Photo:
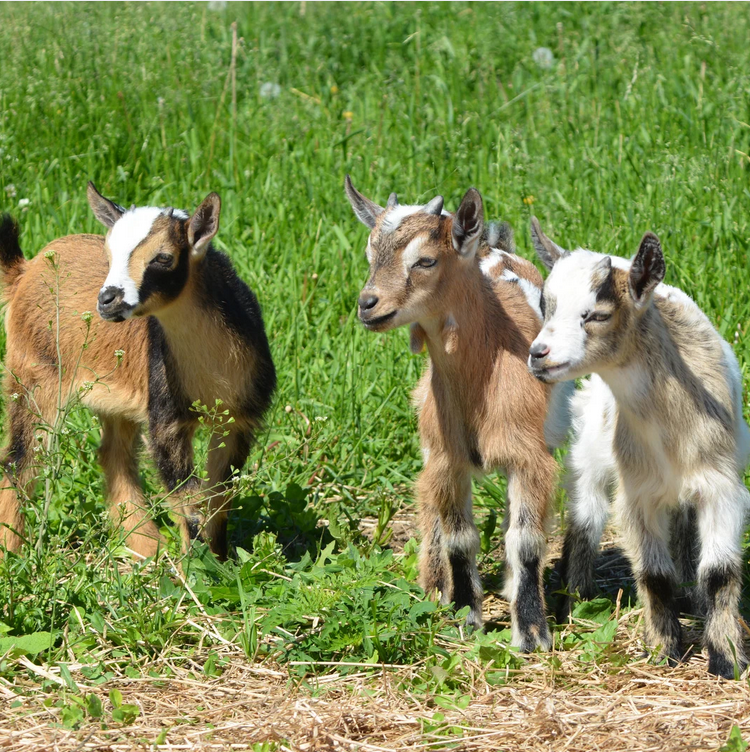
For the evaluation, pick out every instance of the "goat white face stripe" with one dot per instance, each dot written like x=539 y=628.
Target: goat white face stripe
x=412 y=253
x=126 y=234
x=396 y=215
x=569 y=285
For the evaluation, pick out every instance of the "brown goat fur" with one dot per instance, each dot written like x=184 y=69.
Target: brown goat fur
x=479 y=408
x=196 y=333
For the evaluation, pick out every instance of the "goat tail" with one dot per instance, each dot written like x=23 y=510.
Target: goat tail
x=12 y=260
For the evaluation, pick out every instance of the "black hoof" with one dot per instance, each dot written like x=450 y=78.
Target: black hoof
x=720 y=665
x=194 y=526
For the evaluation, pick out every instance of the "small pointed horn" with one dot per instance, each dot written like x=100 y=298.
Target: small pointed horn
x=170 y=212
x=132 y=207
x=392 y=201
x=434 y=207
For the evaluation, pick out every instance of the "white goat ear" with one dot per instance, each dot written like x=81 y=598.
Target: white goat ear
x=549 y=253
x=647 y=270
x=203 y=225
x=367 y=211
x=106 y=211
x=468 y=224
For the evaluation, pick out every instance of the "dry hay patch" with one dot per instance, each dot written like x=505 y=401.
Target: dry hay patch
x=556 y=707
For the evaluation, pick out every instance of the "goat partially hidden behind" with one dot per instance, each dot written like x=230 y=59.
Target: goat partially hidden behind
x=661 y=421
x=479 y=408
x=191 y=331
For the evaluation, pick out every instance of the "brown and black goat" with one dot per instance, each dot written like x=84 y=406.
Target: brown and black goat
x=191 y=331
x=477 y=310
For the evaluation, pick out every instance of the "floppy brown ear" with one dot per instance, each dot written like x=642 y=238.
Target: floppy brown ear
x=203 y=225
x=549 y=253
x=647 y=270
x=106 y=211
x=468 y=223
x=367 y=211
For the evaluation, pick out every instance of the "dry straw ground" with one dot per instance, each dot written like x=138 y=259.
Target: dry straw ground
x=554 y=702
x=640 y=707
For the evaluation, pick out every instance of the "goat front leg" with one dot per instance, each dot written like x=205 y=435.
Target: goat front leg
x=450 y=540
x=127 y=505
x=529 y=494
x=172 y=448
x=226 y=455
x=645 y=528
x=721 y=519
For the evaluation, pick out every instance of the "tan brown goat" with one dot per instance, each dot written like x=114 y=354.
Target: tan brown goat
x=479 y=408
x=191 y=331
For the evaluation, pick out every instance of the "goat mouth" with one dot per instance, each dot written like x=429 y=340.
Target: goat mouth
x=377 y=322
x=550 y=373
x=117 y=315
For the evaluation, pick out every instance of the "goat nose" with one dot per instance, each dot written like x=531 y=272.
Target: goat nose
x=539 y=350
x=366 y=302
x=108 y=295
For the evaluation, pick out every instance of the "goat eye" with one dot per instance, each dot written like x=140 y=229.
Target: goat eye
x=163 y=259
x=425 y=263
x=599 y=317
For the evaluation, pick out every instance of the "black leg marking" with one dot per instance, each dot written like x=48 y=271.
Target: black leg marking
x=720 y=589
x=532 y=622
x=684 y=548
x=663 y=626
x=465 y=590
x=576 y=569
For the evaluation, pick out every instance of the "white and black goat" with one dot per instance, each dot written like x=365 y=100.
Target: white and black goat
x=661 y=421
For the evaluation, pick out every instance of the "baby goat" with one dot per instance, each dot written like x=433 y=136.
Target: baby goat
x=662 y=418
x=192 y=331
x=479 y=408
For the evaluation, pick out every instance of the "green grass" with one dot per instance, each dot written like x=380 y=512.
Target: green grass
x=643 y=122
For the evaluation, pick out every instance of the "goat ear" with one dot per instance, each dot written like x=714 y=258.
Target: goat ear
x=106 y=211
x=468 y=224
x=203 y=225
x=647 y=270
x=549 y=253
x=367 y=211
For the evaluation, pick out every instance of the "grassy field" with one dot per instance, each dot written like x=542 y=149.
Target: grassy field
x=314 y=636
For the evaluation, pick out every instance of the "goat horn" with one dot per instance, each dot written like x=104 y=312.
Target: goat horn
x=392 y=201
x=434 y=207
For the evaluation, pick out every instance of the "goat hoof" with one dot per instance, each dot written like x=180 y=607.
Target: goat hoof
x=721 y=665
x=535 y=637
x=194 y=526
x=474 y=620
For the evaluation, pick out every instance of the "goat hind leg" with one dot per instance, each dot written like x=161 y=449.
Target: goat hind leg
x=18 y=474
x=591 y=472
